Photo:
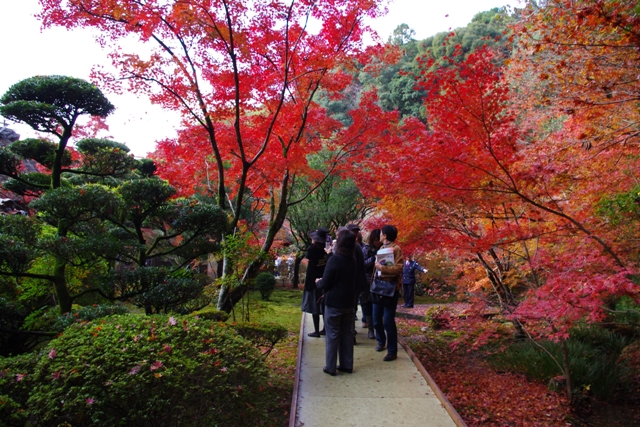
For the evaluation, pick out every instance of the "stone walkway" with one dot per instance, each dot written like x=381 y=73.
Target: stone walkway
x=376 y=394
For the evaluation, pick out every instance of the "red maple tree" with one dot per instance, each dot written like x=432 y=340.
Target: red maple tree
x=245 y=76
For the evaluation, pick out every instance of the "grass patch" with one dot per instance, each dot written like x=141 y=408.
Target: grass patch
x=283 y=308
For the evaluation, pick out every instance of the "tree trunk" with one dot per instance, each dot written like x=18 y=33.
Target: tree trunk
x=227 y=299
x=567 y=373
x=60 y=284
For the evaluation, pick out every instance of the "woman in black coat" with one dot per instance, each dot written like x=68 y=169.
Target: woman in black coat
x=312 y=296
x=340 y=292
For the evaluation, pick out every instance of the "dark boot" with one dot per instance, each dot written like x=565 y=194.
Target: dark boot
x=370 y=334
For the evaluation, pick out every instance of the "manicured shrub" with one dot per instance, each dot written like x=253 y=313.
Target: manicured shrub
x=265 y=283
x=214 y=315
x=88 y=313
x=148 y=371
x=264 y=336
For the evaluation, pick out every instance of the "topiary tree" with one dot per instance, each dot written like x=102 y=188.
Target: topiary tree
x=145 y=371
x=50 y=104
x=265 y=283
x=53 y=104
x=97 y=208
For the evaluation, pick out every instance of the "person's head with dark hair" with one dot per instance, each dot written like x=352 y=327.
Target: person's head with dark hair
x=374 y=238
x=389 y=232
x=355 y=229
x=319 y=236
x=346 y=242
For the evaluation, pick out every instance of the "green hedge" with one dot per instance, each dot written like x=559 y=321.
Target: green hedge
x=142 y=371
x=264 y=336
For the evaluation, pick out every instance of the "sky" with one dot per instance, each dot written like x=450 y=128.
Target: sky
x=27 y=51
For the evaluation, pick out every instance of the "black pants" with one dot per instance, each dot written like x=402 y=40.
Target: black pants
x=408 y=290
x=338 y=325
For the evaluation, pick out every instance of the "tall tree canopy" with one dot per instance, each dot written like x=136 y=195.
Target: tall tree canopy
x=244 y=76
x=503 y=179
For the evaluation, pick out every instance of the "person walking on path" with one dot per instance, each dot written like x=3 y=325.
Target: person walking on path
x=369 y=252
x=340 y=291
x=409 y=280
x=384 y=308
x=312 y=296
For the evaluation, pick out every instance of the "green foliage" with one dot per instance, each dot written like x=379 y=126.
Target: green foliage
x=12 y=313
x=621 y=207
x=9 y=162
x=28 y=184
x=213 y=315
x=264 y=336
x=40 y=150
x=96 y=145
x=16 y=384
x=149 y=371
x=337 y=202
x=265 y=283
x=144 y=197
x=104 y=158
x=627 y=314
x=171 y=295
x=282 y=308
x=396 y=84
x=42 y=319
x=146 y=167
x=18 y=236
x=487 y=28
x=593 y=355
x=88 y=313
x=45 y=102
x=76 y=204
x=157 y=290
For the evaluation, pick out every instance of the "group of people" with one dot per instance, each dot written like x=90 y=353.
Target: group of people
x=339 y=275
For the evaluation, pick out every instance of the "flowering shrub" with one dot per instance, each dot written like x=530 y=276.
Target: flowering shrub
x=15 y=385
x=148 y=371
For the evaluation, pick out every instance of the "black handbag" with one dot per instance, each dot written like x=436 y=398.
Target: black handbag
x=382 y=287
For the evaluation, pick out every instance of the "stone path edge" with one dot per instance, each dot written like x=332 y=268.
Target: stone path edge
x=457 y=419
x=293 y=413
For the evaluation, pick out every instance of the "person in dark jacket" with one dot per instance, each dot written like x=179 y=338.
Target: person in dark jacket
x=361 y=278
x=340 y=292
x=312 y=296
x=409 y=280
x=369 y=254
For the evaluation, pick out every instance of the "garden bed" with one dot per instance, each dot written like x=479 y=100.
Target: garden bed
x=485 y=397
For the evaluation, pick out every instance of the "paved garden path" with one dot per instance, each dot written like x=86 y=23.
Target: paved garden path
x=376 y=394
